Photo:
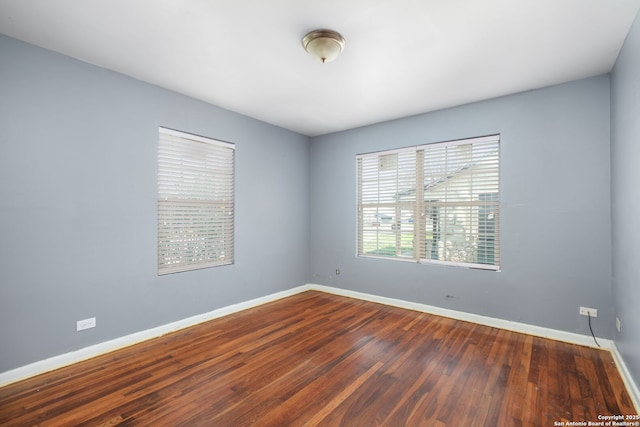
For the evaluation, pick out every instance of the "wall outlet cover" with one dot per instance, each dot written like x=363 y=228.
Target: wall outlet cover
x=587 y=311
x=81 y=325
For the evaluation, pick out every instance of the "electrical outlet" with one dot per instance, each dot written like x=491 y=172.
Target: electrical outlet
x=618 y=325
x=81 y=325
x=586 y=311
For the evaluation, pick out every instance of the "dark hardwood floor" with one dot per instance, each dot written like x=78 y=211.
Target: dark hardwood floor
x=320 y=359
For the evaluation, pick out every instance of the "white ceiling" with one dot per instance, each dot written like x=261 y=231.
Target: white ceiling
x=402 y=57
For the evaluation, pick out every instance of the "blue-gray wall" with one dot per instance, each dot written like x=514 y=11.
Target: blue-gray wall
x=625 y=195
x=78 y=206
x=555 y=201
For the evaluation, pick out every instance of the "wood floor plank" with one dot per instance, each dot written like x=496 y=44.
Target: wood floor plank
x=316 y=359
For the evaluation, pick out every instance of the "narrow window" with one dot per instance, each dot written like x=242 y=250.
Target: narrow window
x=435 y=203
x=195 y=202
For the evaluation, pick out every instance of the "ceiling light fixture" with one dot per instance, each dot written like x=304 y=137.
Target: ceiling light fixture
x=325 y=45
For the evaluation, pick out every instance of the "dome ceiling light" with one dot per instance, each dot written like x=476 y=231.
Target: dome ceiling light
x=325 y=45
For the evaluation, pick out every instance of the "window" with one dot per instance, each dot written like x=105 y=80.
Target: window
x=436 y=203
x=195 y=202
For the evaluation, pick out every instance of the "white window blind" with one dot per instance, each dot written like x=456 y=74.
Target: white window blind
x=195 y=202
x=436 y=203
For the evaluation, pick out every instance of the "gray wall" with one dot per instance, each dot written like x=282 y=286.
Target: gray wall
x=78 y=206
x=556 y=224
x=78 y=220
x=625 y=195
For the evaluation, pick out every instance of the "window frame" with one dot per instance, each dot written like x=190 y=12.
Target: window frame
x=486 y=246
x=195 y=202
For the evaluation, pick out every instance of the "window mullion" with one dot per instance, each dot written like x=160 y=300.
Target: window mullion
x=419 y=211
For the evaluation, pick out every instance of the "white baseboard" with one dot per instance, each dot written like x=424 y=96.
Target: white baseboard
x=632 y=387
x=70 y=358
x=524 y=328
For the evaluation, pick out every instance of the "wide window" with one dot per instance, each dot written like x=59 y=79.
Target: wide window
x=435 y=203
x=195 y=202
